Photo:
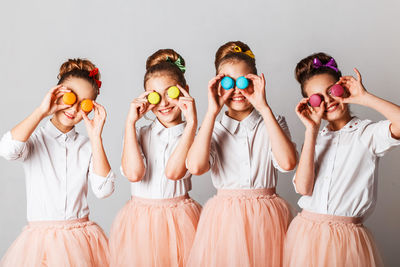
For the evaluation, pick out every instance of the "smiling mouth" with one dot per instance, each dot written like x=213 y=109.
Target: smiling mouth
x=165 y=110
x=238 y=98
x=332 y=108
x=69 y=116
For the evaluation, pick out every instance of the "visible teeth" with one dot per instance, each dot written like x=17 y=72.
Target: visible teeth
x=165 y=110
x=237 y=98
x=332 y=107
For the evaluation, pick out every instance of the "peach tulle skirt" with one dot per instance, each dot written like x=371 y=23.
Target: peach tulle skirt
x=241 y=228
x=157 y=232
x=72 y=243
x=331 y=241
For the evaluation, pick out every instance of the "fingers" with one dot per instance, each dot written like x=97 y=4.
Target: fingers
x=99 y=109
x=358 y=75
x=183 y=90
x=84 y=116
x=55 y=88
x=215 y=80
x=144 y=95
x=227 y=95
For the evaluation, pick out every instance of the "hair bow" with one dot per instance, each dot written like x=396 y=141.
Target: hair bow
x=331 y=64
x=93 y=74
x=178 y=63
x=237 y=49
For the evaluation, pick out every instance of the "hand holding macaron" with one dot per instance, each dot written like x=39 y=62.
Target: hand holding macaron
x=217 y=98
x=51 y=102
x=95 y=125
x=354 y=87
x=310 y=117
x=185 y=102
x=256 y=94
x=140 y=106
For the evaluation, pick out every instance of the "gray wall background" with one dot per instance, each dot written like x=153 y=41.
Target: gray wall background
x=37 y=36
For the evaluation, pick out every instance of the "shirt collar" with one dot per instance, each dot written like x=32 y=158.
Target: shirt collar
x=52 y=130
x=249 y=122
x=161 y=130
x=352 y=125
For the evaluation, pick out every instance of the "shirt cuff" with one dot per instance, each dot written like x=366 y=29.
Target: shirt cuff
x=12 y=149
x=102 y=186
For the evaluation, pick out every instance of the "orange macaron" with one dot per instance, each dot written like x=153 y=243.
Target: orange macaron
x=87 y=105
x=69 y=98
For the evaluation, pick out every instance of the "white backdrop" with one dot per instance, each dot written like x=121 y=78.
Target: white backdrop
x=118 y=36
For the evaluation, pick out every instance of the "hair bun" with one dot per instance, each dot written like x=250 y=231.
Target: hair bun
x=162 y=56
x=77 y=64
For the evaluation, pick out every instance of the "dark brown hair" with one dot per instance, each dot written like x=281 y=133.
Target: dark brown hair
x=162 y=62
x=79 y=68
x=305 y=69
x=228 y=53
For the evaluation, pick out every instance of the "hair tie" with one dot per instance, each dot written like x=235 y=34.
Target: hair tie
x=331 y=64
x=237 y=49
x=177 y=63
x=93 y=74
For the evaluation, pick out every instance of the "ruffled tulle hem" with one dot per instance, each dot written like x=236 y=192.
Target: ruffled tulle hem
x=241 y=228
x=330 y=241
x=59 y=243
x=148 y=232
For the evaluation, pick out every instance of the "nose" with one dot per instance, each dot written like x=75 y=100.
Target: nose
x=164 y=101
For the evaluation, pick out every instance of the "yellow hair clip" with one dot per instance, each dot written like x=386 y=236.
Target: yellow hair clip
x=237 y=49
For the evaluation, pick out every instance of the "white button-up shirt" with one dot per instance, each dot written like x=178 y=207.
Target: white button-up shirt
x=157 y=144
x=346 y=166
x=241 y=155
x=57 y=169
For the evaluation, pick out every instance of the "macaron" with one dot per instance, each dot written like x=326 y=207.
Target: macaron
x=242 y=82
x=315 y=100
x=337 y=90
x=154 y=98
x=87 y=105
x=69 y=98
x=173 y=92
x=227 y=83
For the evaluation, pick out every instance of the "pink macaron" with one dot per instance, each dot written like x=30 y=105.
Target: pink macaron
x=337 y=90
x=315 y=100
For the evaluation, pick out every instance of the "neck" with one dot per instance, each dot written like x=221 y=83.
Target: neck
x=61 y=127
x=172 y=123
x=339 y=123
x=239 y=115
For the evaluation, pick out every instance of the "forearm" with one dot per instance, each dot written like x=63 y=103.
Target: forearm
x=132 y=161
x=101 y=166
x=176 y=166
x=282 y=147
x=304 y=180
x=24 y=129
x=199 y=153
x=389 y=110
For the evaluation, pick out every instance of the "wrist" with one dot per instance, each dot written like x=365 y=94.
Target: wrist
x=312 y=132
x=39 y=113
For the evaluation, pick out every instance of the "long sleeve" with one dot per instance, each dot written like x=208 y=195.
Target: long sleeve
x=12 y=149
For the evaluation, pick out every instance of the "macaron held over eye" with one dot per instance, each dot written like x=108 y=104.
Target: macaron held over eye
x=69 y=98
x=336 y=90
x=155 y=98
x=228 y=83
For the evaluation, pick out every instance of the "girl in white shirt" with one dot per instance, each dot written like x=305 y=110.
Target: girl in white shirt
x=246 y=222
x=157 y=226
x=58 y=164
x=337 y=172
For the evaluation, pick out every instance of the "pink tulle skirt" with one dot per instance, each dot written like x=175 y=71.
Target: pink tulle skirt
x=241 y=228
x=59 y=243
x=157 y=232
x=331 y=241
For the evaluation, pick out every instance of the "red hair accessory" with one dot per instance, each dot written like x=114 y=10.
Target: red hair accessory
x=93 y=74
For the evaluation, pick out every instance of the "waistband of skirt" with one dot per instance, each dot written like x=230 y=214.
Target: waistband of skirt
x=81 y=222
x=330 y=218
x=160 y=201
x=247 y=192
